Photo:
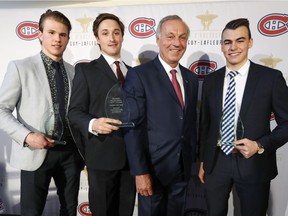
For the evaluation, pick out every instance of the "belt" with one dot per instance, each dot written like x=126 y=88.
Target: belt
x=234 y=151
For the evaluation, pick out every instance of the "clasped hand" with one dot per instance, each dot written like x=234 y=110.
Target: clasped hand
x=246 y=147
x=104 y=125
x=39 y=141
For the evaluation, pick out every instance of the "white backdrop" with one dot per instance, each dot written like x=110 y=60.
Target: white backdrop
x=269 y=26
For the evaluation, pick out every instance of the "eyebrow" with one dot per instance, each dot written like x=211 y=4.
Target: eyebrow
x=106 y=29
x=237 y=39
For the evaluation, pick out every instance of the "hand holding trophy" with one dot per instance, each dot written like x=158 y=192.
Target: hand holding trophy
x=239 y=134
x=114 y=106
x=54 y=129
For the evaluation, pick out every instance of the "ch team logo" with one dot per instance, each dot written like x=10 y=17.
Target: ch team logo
x=84 y=209
x=142 y=27
x=203 y=67
x=273 y=25
x=27 y=30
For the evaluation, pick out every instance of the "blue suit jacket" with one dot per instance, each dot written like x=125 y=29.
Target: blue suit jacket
x=265 y=92
x=163 y=130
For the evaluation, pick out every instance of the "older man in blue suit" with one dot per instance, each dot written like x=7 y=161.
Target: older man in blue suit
x=161 y=146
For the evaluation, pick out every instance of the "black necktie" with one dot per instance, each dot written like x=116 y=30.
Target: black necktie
x=119 y=72
x=60 y=96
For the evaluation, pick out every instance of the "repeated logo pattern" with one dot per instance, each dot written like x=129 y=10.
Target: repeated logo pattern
x=273 y=25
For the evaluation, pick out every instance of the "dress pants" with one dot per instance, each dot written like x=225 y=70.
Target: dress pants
x=218 y=185
x=62 y=164
x=111 y=193
x=167 y=200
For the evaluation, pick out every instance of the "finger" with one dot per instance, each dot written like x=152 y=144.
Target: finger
x=150 y=192
x=144 y=193
x=201 y=179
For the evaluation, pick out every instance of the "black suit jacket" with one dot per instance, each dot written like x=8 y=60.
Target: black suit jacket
x=90 y=86
x=163 y=130
x=265 y=92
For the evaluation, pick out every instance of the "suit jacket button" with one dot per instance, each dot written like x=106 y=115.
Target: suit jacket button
x=181 y=117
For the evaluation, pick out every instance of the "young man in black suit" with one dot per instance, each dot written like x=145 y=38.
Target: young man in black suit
x=250 y=164
x=111 y=187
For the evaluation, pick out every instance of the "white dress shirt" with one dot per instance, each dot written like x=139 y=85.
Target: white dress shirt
x=240 y=82
x=124 y=70
x=178 y=75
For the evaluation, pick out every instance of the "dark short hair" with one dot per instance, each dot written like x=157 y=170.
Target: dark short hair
x=56 y=15
x=104 y=16
x=236 y=23
x=168 y=18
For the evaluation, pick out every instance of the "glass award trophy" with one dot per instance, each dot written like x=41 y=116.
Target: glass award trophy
x=239 y=133
x=54 y=129
x=114 y=106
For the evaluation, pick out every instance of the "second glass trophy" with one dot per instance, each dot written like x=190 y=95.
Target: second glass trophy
x=114 y=106
x=54 y=129
x=239 y=133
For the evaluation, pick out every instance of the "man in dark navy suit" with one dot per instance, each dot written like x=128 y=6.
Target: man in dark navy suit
x=161 y=146
x=251 y=165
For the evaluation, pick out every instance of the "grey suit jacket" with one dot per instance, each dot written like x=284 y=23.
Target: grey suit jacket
x=25 y=88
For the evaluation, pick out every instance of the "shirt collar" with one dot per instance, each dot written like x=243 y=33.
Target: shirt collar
x=168 y=67
x=47 y=60
x=109 y=59
x=242 y=71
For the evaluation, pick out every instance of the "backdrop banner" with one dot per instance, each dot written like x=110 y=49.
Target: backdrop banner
x=269 y=27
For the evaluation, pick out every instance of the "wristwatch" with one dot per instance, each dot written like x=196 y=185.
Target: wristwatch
x=260 y=148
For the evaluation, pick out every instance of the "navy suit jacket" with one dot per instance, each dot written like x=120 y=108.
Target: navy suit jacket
x=164 y=132
x=265 y=92
x=90 y=86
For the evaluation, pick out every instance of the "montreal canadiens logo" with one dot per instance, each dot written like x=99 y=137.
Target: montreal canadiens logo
x=27 y=30
x=84 y=209
x=273 y=25
x=203 y=67
x=142 y=27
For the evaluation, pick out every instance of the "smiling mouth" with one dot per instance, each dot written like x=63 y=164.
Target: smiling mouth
x=234 y=54
x=175 y=50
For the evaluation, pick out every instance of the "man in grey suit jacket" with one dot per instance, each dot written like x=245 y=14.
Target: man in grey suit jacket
x=30 y=86
x=251 y=165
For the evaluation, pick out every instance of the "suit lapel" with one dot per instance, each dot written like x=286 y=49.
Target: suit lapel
x=40 y=72
x=105 y=68
x=251 y=85
x=164 y=79
x=186 y=86
x=218 y=99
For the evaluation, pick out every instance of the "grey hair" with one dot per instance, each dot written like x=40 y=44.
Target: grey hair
x=167 y=18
